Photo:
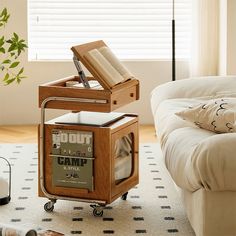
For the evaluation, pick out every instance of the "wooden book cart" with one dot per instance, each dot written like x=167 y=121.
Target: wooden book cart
x=56 y=95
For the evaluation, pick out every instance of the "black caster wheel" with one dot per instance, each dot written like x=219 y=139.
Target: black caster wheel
x=124 y=196
x=97 y=210
x=97 y=213
x=49 y=207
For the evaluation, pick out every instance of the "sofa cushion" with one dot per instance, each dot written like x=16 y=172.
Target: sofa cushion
x=165 y=119
x=217 y=115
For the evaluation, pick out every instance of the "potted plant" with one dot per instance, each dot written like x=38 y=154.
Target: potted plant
x=10 y=50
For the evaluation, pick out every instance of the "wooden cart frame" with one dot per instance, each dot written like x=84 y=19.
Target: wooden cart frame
x=97 y=204
x=57 y=96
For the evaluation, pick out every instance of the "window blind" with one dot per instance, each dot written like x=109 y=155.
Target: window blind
x=133 y=29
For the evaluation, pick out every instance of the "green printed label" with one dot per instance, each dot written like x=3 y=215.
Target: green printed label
x=72 y=172
x=71 y=150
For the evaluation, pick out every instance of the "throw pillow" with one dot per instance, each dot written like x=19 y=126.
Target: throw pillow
x=217 y=115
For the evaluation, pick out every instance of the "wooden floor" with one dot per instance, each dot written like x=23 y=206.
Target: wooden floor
x=28 y=134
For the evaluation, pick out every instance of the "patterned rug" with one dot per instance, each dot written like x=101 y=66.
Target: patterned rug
x=153 y=208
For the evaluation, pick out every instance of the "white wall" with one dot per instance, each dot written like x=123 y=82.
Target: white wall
x=223 y=38
x=19 y=103
x=227 y=57
x=231 y=37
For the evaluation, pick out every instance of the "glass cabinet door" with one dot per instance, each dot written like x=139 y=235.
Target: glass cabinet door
x=123 y=150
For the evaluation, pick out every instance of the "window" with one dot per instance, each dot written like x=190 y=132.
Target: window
x=133 y=29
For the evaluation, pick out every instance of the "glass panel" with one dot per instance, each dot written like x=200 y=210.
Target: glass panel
x=4 y=179
x=123 y=157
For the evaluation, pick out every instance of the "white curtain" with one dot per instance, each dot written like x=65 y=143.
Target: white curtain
x=205 y=38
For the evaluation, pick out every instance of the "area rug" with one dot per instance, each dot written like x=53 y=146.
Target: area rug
x=152 y=208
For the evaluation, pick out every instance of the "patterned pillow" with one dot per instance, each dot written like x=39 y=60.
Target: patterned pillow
x=217 y=115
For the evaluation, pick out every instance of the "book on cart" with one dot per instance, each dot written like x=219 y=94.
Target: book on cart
x=99 y=59
x=108 y=65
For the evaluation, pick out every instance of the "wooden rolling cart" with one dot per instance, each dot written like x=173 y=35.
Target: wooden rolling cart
x=105 y=188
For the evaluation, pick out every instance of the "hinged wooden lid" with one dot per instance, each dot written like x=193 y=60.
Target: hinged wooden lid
x=81 y=50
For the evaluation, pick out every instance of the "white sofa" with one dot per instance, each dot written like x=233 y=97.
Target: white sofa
x=201 y=163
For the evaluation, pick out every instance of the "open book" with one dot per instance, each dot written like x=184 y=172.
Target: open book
x=108 y=66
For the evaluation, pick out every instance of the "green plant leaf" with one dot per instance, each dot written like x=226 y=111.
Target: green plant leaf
x=2 y=50
x=24 y=46
x=16 y=36
x=21 y=71
x=10 y=81
x=23 y=77
x=2 y=41
x=7 y=17
x=4 y=16
x=4 y=12
x=6 y=77
x=12 y=48
x=14 y=64
x=7 y=61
